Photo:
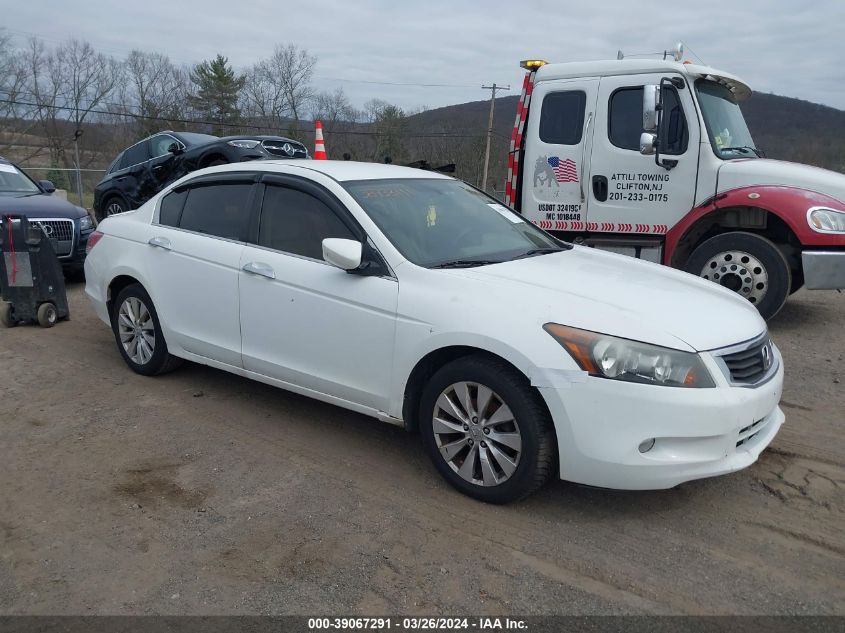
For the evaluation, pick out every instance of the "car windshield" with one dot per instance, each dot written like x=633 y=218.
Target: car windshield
x=14 y=182
x=192 y=138
x=726 y=126
x=446 y=223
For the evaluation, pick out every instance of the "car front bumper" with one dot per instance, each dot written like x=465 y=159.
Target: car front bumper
x=823 y=270
x=697 y=433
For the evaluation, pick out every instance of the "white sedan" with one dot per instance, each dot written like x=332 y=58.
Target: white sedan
x=418 y=300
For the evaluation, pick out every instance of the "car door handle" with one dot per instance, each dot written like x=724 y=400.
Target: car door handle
x=258 y=268
x=160 y=242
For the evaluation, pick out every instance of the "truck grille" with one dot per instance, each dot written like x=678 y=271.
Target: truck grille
x=751 y=364
x=60 y=234
x=287 y=149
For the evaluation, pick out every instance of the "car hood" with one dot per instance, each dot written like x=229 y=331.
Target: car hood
x=622 y=296
x=40 y=206
x=764 y=171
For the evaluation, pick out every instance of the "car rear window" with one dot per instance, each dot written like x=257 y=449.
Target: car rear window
x=219 y=210
x=136 y=154
x=171 y=208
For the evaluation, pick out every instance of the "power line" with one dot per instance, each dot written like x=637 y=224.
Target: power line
x=239 y=126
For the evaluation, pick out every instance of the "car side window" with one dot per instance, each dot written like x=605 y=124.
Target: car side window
x=562 y=117
x=625 y=121
x=170 y=210
x=296 y=222
x=135 y=155
x=160 y=143
x=220 y=210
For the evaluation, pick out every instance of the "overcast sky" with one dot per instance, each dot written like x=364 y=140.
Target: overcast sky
x=789 y=48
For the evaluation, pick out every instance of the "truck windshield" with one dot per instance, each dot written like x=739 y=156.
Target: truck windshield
x=726 y=126
x=445 y=223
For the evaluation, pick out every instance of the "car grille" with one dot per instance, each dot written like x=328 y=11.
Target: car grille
x=60 y=234
x=277 y=148
x=750 y=365
x=750 y=431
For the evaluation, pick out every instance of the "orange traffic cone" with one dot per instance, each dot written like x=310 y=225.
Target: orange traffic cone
x=319 y=146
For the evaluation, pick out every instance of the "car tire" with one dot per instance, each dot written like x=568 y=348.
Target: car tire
x=499 y=454
x=7 y=315
x=749 y=264
x=138 y=334
x=47 y=315
x=217 y=161
x=114 y=205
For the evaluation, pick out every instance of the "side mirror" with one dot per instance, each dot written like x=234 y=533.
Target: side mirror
x=651 y=105
x=345 y=254
x=47 y=186
x=175 y=149
x=648 y=141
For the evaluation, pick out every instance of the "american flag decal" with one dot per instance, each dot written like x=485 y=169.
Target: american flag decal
x=565 y=170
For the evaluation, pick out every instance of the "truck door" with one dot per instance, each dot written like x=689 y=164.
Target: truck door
x=556 y=166
x=630 y=192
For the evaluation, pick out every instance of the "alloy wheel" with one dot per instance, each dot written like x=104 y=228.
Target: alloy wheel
x=137 y=331
x=476 y=433
x=114 y=208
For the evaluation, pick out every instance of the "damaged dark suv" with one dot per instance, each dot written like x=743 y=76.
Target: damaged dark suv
x=141 y=171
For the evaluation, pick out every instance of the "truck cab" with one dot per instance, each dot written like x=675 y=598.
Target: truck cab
x=653 y=159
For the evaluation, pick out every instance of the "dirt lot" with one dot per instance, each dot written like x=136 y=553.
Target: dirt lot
x=200 y=492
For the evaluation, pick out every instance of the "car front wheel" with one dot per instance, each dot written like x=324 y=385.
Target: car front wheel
x=138 y=333
x=487 y=431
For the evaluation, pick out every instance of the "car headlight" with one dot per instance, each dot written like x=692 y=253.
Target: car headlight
x=86 y=223
x=622 y=359
x=244 y=143
x=826 y=220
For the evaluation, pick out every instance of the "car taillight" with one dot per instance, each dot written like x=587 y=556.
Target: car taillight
x=95 y=237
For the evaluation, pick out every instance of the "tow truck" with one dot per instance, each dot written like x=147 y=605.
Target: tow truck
x=652 y=158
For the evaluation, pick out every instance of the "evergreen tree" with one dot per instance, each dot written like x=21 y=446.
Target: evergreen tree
x=216 y=96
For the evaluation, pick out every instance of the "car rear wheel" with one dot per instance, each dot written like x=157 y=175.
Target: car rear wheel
x=486 y=430
x=113 y=206
x=749 y=264
x=138 y=333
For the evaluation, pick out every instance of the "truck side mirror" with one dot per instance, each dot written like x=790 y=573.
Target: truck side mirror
x=651 y=105
x=648 y=141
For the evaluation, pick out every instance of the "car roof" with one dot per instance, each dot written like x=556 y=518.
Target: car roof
x=343 y=170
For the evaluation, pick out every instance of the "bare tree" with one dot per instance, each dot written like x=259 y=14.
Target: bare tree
x=154 y=89
x=278 y=89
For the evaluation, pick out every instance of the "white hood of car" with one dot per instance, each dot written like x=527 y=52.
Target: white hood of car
x=764 y=171
x=621 y=296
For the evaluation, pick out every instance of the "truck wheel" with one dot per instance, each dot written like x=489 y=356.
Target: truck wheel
x=47 y=315
x=486 y=430
x=749 y=264
x=7 y=317
x=138 y=333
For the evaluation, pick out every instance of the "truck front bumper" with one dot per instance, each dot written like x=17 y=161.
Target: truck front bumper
x=823 y=270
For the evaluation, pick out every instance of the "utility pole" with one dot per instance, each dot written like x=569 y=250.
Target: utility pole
x=493 y=90
x=76 y=136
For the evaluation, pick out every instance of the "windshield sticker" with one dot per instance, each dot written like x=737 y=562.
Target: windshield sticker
x=431 y=216
x=506 y=213
x=8 y=168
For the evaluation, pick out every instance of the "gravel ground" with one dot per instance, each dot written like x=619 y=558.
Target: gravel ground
x=203 y=493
